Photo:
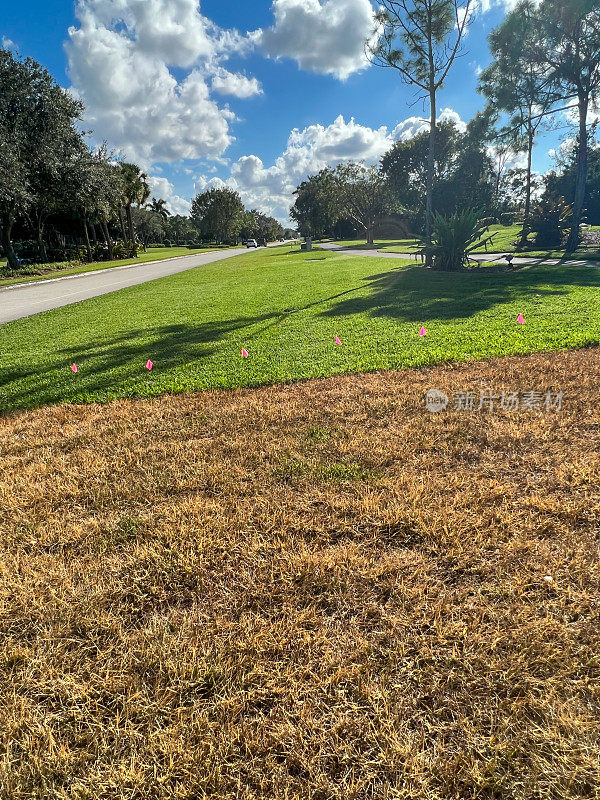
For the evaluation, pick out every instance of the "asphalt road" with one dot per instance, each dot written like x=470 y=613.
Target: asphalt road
x=26 y=299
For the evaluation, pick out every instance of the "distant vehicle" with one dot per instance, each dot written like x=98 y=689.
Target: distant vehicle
x=251 y=243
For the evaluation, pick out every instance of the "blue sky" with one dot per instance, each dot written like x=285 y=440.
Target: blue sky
x=253 y=94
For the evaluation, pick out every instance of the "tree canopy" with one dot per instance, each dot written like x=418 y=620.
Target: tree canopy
x=217 y=214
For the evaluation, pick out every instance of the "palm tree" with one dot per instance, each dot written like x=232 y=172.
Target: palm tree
x=135 y=191
x=159 y=207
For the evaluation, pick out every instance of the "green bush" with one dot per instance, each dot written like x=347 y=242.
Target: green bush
x=28 y=251
x=167 y=243
x=487 y=221
x=100 y=252
x=454 y=238
x=550 y=220
x=73 y=254
x=508 y=218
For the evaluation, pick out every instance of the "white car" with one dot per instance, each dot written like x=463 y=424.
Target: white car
x=251 y=243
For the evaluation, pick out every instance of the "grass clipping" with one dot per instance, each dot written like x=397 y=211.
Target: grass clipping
x=313 y=591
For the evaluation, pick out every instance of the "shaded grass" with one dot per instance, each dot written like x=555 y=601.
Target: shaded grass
x=285 y=308
x=45 y=271
x=181 y=618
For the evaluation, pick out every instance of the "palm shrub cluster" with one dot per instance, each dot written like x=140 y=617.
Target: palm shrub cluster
x=454 y=238
x=550 y=221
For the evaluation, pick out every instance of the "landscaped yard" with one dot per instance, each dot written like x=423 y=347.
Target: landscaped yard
x=59 y=270
x=309 y=591
x=285 y=308
x=409 y=245
x=504 y=238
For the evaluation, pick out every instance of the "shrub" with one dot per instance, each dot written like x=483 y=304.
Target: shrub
x=73 y=254
x=28 y=251
x=454 y=238
x=550 y=219
x=99 y=252
x=167 y=243
x=508 y=218
x=119 y=249
x=487 y=221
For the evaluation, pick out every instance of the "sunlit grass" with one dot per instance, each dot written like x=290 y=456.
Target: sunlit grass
x=285 y=308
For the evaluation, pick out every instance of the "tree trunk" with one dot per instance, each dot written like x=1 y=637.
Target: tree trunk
x=498 y=176
x=122 y=221
x=11 y=257
x=582 y=170
x=370 y=232
x=525 y=231
x=40 y=240
x=86 y=237
x=93 y=230
x=430 y=171
x=130 y=223
x=108 y=240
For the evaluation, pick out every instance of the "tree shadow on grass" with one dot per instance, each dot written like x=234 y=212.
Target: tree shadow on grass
x=413 y=294
x=115 y=361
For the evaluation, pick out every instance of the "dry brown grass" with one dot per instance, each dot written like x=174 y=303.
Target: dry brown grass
x=316 y=591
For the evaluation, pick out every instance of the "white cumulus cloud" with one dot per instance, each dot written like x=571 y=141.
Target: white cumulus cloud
x=413 y=126
x=270 y=188
x=121 y=55
x=233 y=83
x=163 y=189
x=326 y=36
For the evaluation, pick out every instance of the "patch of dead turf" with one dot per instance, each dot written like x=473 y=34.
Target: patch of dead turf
x=312 y=591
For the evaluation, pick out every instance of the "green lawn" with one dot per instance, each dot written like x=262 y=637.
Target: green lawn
x=409 y=245
x=285 y=308
x=504 y=239
x=58 y=270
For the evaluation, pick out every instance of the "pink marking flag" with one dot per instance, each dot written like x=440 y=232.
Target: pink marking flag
x=422 y=332
x=74 y=367
x=520 y=319
x=337 y=340
x=244 y=353
x=149 y=365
